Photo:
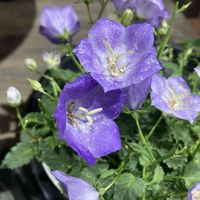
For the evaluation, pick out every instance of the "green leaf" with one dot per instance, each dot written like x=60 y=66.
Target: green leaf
x=128 y=187
x=88 y=176
x=191 y=174
x=19 y=155
x=63 y=74
x=177 y=162
x=145 y=158
x=34 y=118
x=158 y=175
x=172 y=67
x=107 y=174
x=59 y=160
x=48 y=106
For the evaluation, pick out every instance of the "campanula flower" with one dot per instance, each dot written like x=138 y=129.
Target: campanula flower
x=76 y=188
x=58 y=22
x=137 y=93
x=151 y=11
x=85 y=118
x=118 y=56
x=14 y=97
x=173 y=96
x=52 y=59
x=194 y=192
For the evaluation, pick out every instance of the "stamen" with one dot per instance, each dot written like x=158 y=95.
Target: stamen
x=87 y=114
x=113 y=58
x=92 y=112
x=109 y=48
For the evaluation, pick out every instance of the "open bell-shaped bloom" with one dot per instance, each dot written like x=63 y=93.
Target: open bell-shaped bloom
x=76 y=188
x=194 y=192
x=55 y=22
x=118 y=56
x=173 y=96
x=85 y=118
x=151 y=11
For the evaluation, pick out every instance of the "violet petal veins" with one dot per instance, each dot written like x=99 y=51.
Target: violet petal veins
x=58 y=21
x=173 y=96
x=85 y=118
x=76 y=188
x=118 y=57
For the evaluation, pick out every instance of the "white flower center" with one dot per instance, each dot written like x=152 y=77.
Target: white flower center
x=196 y=195
x=114 y=70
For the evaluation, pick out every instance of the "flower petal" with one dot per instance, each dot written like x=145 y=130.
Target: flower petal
x=76 y=188
x=137 y=93
x=94 y=141
x=139 y=37
x=106 y=30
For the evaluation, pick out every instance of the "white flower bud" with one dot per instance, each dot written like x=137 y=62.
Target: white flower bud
x=13 y=96
x=197 y=70
x=31 y=64
x=52 y=59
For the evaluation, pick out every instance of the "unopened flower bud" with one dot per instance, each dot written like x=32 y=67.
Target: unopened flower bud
x=127 y=17
x=197 y=70
x=36 y=85
x=52 y=59
x=164 y=28
x=31 y=64
x=13 y=96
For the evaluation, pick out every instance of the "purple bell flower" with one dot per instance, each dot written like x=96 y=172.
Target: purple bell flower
x=55 y=22
x=194 y=192
x=85 y=118
x=118 y=56
x=151 y=11
x=76 y=188
x=137 y=93
x=173 y=96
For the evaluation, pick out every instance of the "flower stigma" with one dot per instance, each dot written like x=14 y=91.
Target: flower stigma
x=114 y=70
x=85 y=113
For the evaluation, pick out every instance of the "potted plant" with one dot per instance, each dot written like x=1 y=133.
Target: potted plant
x=120 y=121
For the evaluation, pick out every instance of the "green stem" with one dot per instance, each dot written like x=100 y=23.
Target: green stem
x=70 y=51
x=166 y=39
x=103 y=6
x=144 y=178
x=155 y=126
x=89 y=13
x=119 y=171
x=54 y=84
x=136 y=117
x=20 y=118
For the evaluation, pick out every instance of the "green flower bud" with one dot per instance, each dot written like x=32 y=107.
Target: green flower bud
x=127 y=17
x=36 y=86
